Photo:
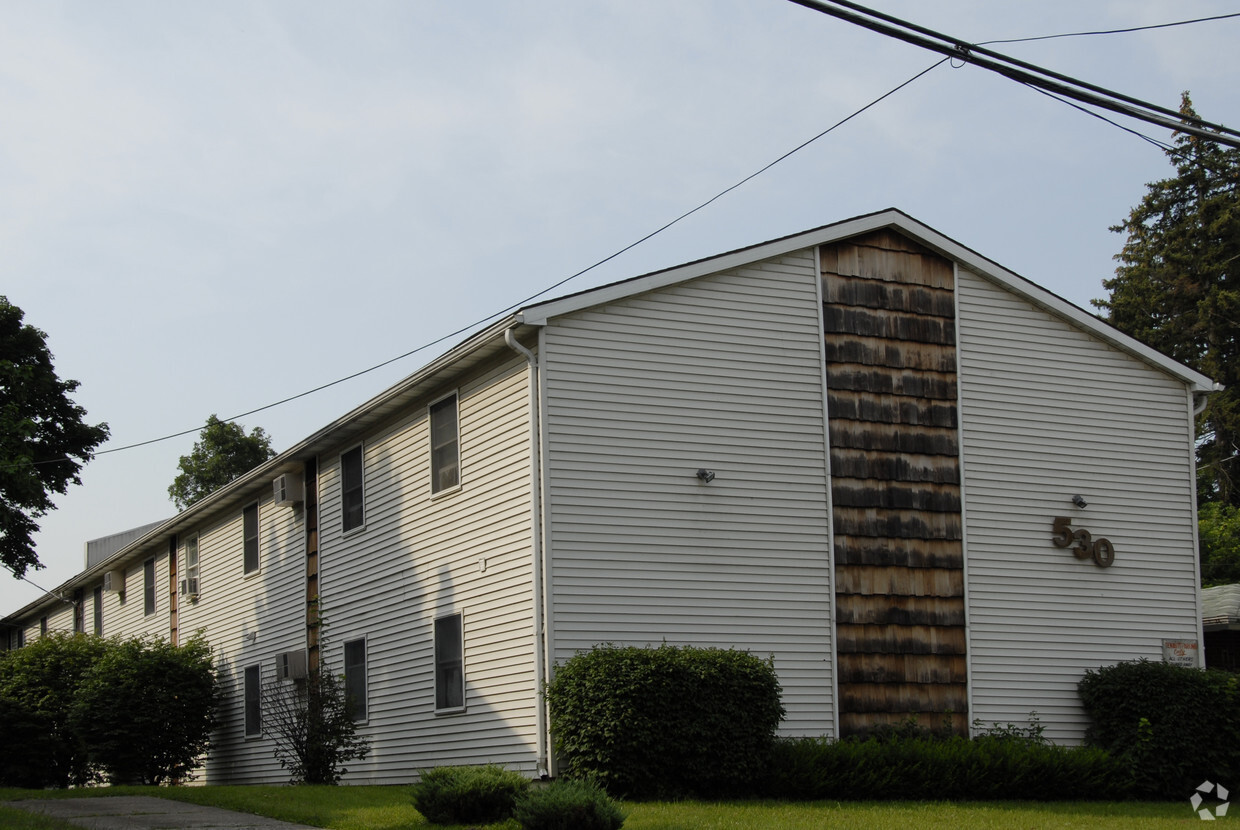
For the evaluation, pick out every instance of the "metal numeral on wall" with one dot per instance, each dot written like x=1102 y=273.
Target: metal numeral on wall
x=1082 y=542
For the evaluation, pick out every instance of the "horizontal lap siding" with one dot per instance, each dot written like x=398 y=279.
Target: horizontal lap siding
x=1049 y=412
x=418 y=557
x=248 y=619
x=723 y=373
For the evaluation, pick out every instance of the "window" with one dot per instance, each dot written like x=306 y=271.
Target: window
x=353 y=512
x=99 y=611
x=21 y=638
x=148 y=587
x=253 y=710
x=249 y=523
x=42 y=626
x=445 y=446
x=79 y=612
x=449 y=663
x=355 y=678
x=191 y=566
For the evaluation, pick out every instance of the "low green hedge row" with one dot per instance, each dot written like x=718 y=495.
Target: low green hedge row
x=488 y=794
x=928 y=767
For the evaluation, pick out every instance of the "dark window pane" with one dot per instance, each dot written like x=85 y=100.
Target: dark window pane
x=99 y=610
x=351 y=491
x=355 y=678
x=449 y=663
x=250 y=531
x=148 y=586
x=253 y=713
x=445 y=445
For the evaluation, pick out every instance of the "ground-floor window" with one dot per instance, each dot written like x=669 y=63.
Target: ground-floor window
x=355 y=678
x=253 y=708
x=449 y=663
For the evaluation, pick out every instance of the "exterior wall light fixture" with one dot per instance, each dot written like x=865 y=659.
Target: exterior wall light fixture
x=706 y=476
x=1079 y=501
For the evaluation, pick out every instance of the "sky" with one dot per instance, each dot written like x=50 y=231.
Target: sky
x=210 y=207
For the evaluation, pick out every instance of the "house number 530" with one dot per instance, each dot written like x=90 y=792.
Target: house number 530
x=1083 y=544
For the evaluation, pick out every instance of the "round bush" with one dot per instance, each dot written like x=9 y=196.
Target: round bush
x=665 y=722
x=464 y=795
x=568 y=805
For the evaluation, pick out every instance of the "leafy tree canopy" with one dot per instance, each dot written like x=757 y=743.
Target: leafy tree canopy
x=222 y=453
x=1177 y=288
x=44 y=439
x=1218 y=529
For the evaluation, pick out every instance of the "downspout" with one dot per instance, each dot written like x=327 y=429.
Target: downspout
x=540 y=672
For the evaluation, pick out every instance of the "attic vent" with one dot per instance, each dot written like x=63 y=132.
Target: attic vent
x=288 y=489
x=291 y=665
x=114 y=582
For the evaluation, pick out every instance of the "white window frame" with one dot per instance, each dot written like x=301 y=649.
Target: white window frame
x=150 y=587
x=440 y=664
x=192 y=559
x=360 y=488
x=436 y=489
x=245 y=540
x=257 y=669
x=364 y=707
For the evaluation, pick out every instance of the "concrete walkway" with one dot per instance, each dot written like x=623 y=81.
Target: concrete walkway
x=147 y=813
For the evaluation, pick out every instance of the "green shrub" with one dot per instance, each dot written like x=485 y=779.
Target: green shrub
x=150 y=688
x=41 y=679
x=568 y=805
x=460 y=795
x=29 y=746
x=665 y=722
x=990 y=767
x=1172 y=727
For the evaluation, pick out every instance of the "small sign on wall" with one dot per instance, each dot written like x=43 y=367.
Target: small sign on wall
x=1181 y=653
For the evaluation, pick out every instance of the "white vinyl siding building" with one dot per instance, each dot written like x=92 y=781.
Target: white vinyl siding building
x=651 y=461
x=1049 y=412
x=643 y=551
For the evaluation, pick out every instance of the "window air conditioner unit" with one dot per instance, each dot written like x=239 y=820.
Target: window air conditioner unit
x=114 y=582
x=189 y=586
x=291 y=665
x=288 y=488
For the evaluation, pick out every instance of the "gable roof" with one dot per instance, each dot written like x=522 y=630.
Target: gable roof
x=489 y=341
x=890 y=218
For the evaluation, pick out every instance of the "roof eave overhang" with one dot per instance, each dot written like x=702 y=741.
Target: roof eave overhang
x=256 y=483
x=540 y=314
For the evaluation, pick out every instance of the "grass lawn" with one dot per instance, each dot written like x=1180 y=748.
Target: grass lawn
x=388 y=808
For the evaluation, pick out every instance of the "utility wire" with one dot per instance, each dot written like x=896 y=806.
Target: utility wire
x=1022 y=71
x=549 y=288
x=960 y=51
x=1112 y=31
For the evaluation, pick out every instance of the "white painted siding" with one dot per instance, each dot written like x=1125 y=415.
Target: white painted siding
x=724 y=373
x=248 y=619
x=1049 y=412
x=419 y=557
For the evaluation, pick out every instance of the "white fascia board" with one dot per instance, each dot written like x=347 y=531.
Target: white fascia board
x=540 y=314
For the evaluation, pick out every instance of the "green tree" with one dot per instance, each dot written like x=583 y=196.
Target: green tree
x=1177 y=288
x=40 y=683
x=312 y=727
x=146 y=708
x=1218 y=531
x=222 y=453
x=44 y=439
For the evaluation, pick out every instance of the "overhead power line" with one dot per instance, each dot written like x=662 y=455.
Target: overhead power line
x=1114 y=31
x=1022 y=71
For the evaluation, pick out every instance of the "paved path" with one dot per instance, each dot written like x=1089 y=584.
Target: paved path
x=146 y=813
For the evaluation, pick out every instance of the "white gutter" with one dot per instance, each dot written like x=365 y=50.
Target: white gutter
x=540 y=669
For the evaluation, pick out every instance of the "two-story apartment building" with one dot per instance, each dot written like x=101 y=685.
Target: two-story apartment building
x=925 y=485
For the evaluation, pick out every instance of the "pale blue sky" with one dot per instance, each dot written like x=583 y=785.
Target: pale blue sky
x=212 y=206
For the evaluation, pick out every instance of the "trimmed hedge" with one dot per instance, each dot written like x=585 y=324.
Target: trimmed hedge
x=666 y=722
x=991 y=767
x=568 y=805
x=1170 y=727
x=467 y=795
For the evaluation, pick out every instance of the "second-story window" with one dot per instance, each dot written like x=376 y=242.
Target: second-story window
x=191 y=566
x=249 y=523
x=445 y=445
x=148 y=587
x=352 y=491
